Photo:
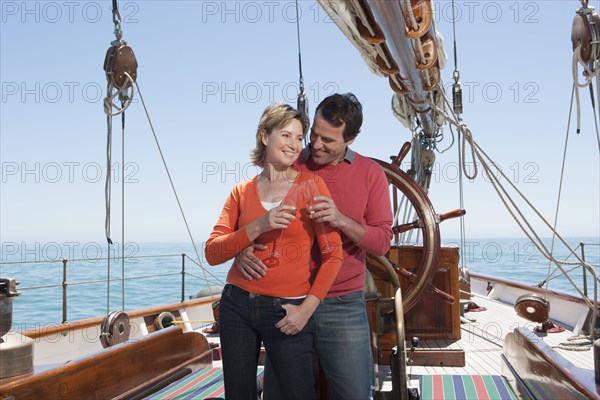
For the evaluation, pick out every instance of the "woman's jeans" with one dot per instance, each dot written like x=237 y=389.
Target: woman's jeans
x=343 y=346
x=246 y=319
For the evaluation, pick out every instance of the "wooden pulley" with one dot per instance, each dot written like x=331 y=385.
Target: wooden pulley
x=164 y=320
x=120 y=60
x=386 y=64
x=586 y=31
x=435 y=73
x=429 y=47
x=533 y=308
x=397 y=84
x=115 y=329
x=376 y=38
x=423 y=13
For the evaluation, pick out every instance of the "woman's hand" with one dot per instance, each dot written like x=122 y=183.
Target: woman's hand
x=277 y=218
x=297 y=316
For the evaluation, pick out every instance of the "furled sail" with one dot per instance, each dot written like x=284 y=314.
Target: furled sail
x=398 y=40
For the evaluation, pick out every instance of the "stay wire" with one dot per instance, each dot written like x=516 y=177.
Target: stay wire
x=454 y=35
x=172 y=185
x=460 y=149
x=299 y=48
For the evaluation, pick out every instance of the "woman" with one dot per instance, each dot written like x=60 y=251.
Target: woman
x=275 y=309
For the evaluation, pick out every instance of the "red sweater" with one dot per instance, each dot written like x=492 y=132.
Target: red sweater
x=291 y=277
x=360 y=191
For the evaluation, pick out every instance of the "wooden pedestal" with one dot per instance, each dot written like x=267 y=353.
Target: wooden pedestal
x=431 y=318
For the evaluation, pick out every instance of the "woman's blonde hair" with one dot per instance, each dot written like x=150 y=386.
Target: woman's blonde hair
x=275 y=116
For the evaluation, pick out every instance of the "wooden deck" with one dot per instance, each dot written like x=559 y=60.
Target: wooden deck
x=482 y=340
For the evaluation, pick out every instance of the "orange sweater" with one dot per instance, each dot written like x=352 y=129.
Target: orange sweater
x=291 y=277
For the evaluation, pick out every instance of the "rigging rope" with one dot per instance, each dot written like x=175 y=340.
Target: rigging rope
x=560 y=185
x=411 y=16
x=120 y=67
x=505 y=197
x=551 y=276
x=123 y=207
x=463 y=234
x=589 y=75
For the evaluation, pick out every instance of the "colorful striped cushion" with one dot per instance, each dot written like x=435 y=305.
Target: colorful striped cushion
x=465 y=387
x=202 y=384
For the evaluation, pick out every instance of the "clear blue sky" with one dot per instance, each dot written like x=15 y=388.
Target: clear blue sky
x=209 y=68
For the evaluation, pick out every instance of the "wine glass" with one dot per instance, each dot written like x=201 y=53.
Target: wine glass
x=310 y=192
x=291 y=199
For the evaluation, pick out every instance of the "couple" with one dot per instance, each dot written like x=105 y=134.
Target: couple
x=313 y=299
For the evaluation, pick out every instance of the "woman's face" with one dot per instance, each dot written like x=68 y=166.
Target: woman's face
x=283 y=146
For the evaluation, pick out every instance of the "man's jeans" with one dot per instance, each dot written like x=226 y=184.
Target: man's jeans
x=247 y=319
x=342 y=342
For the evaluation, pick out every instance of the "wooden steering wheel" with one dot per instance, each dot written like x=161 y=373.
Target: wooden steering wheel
x=419 y=278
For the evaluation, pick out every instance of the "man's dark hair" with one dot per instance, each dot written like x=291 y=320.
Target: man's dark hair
x=342 y=108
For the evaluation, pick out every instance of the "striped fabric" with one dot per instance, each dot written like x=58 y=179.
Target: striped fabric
x=205 y=383
x=465 y=387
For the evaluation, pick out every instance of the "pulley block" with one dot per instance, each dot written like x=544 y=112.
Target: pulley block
x=119 y=60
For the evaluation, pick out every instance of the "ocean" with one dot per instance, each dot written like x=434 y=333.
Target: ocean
x=153 y=274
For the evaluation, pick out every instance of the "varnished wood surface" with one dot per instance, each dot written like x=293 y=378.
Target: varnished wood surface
x=544 y=372
x=431 y=317
x=126 y=367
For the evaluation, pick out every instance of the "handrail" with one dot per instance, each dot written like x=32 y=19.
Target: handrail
x=65 y=283
x=92 y=259
x=584 y=271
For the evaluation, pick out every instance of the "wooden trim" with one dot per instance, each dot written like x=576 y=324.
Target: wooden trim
x=439 y=358
x=135 y=391
x=118 y=369
x=96 y=321
x=528 y=288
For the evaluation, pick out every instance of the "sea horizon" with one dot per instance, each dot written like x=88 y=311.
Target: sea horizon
x=153 y=273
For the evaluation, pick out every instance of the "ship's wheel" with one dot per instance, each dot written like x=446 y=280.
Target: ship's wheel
x=417 y=279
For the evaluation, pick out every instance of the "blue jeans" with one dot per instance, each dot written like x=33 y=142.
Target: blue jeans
x=247 y=319
x=342 y=342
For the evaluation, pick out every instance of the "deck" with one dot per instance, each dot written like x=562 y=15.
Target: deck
x=482 y=341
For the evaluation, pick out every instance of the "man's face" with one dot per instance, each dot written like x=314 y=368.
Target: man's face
x=327 y=141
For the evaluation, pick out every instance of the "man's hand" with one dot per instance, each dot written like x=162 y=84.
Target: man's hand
x=324 y=210
x=249 y=265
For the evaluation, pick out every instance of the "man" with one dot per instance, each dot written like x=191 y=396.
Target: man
x=360 y=208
